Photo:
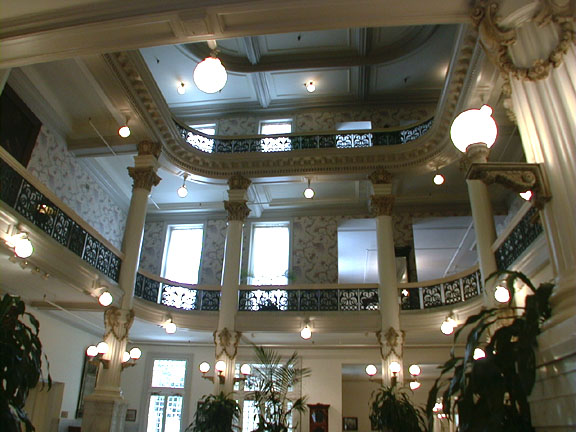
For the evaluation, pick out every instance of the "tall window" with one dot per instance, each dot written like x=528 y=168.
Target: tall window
x=275 y=127
x=182 y=253
x=201 y=142
x=166 y=395
x=270 y=253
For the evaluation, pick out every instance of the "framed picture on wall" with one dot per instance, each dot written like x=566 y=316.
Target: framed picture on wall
x=350 y=423
x=87 y=384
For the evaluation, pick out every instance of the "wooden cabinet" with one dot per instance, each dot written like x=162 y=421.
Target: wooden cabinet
x=318 y=417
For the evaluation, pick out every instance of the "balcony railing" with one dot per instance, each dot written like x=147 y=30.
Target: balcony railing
x=290 y=142
x=67 y=229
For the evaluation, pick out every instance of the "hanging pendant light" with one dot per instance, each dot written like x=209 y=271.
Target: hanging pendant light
x=210 y=75
x=182 y=190
x=309 y=192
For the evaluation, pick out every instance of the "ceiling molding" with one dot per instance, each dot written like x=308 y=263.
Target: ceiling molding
x=252 y=49
x=262 y=89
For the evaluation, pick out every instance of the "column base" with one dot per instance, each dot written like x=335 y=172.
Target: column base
x=103 y=414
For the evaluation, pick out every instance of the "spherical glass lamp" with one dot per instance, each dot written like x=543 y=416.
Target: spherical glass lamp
x=204 y=367
x=414 y=385
x=92 y=351
x=135 y=353
x=102 y=348
x=501 y=294
x=414 y=370
x=105 y=299
x=124 y=131
x=394 y=367
x=245 y=369
x=210 y=76
x=306 y=332
x=438 y=179
x=170 y=327
x=473 y=127
x=220 y=366
x=371 y=370
x=447 y=328
x=125 y=356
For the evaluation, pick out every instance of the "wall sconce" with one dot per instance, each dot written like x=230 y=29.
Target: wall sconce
x=414 y=372
x=129 y=358
x=448 y=325
x=371 y=370
x=501 y=294
x=182 y=190
x=96 y=352
x=310 y=86
x=394 y=367
x=220 y=368
x=21 y=244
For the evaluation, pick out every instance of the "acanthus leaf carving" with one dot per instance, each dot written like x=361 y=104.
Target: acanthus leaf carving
x=118 y=322
x=226 y=342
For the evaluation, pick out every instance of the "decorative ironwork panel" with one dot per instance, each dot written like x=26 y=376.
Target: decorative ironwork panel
x=452 y=292
x=77 y=239
x=35 y=207
x=326 y=141
x=103 y=262
x=114 y=268
x=368 y=299
x=470 y=285
x=10 y=182
x=411 y=301
x=278 y=144
x=210 y=300
x=348 y=300
x=91 y=250
x=150 y=290
x=309 y=300
x=139 y=285
x=62 y=228
x=519 y=240
x=179 y=297
x=263 y=300
x=328 y=299
x=415 y=132
x=293 y=300
x=432 y=296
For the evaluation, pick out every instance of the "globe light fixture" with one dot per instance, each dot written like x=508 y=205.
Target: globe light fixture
x=124 y=131
x=474 y=126
x=394 y=367
x=371 y=370
x=182 y=190
x=306 y=332
x=526 y=196
x=245 y=369
x=105 y=299
x=210 y=75
x=414 y=385
x=204 y=367
x=309 y=192
x=310 y=86
x=181 y=88
x=448 y=325
x=220 y=367
x=92 y=351
x=438 y=179
x=22 y=245
x=135 y=353
x=170 y=327
x=414 y=370
x=478 y=354
x=102 y=347
x=501 y=294
x=125 y=356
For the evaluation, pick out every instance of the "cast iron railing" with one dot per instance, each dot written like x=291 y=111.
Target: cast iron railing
x=519 y=239
x=290 y=142
x=32 y=204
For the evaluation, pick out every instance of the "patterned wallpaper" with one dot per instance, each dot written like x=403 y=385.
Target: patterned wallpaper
x=213 y=252
x=59 y=170
x=313 y=121
x=153 y=247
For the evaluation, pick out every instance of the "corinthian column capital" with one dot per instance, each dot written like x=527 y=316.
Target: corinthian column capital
x=149 y=148
x=380 y=176
x=238 y=181
x=144 y=177
x=382 y=205
x=237 y=210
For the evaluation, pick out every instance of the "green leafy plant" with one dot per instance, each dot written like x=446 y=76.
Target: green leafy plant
x=273 y=381
x=216 y=413
x=391 y=410
x=20 y=362
x=491 y=393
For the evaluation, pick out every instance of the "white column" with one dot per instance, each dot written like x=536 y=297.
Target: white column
x=226 y=338
x=391 y=337
x=104 y=409
x=533 y=45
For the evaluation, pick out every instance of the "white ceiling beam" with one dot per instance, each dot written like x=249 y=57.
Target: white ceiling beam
x=252 y=48
x=262 y=88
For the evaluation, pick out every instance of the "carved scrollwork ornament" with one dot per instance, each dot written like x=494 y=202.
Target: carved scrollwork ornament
x=149 y=148
x=382 y=205
x=118 y=322
x=238 y=181
x=226 y=342
x=237 y=210
x=380 y=176
x=496 y=40
x=391 y=342
x=144 y=178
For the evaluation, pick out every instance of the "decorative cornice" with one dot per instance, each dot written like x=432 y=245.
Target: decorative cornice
x=497 y=39
x=391 y=343
x=149 y=148
x=238 y=181
x=118 y=322
x=382 y=205
x=226 y=342
x=380 y=176
x=144 y=177
x=237 y=210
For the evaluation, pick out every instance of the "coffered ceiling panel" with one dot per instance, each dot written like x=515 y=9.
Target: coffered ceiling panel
x=329 y=82
x=293 y=43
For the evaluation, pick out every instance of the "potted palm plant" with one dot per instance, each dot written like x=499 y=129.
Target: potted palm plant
x=215 y=413
x=391 y=410
x=274 y=379
x=20 y=362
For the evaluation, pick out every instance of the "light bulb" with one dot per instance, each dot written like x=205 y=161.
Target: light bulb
x=306 y=332
x=371 y=370
x=394 y=367
x=526 y=195
x=309 y=193
x=204 y=367
x=405 y=292
x=92 y=351
x=125 y=356
x=310 y=86
x=245 y=369
x=181 y=88
x=124 y=131
x=182 y=191
x=472 y=127
x=478 y=354
x=220 y=366
x=447 y=328
x=414 y=370
x=501 y=294
x=170 y=327
x=438 y=179
x=438 y=407
x=23 y=247
x=210 y=76
x=414 y=385
x=135 y=353
x=102 y=347
x=105 y=299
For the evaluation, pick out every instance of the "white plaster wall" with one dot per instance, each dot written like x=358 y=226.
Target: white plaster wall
x=324 y=386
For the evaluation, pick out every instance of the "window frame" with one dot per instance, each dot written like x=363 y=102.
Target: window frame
x=149 y=390
x=253 y=226
x=276 y=121
x=199 y=126
x=167 y=237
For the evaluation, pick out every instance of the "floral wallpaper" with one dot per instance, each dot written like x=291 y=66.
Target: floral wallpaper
x=153 y=247
x=58 y=169
x=213 y=252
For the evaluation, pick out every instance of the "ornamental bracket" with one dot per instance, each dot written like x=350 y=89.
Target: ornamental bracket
x=518 y=177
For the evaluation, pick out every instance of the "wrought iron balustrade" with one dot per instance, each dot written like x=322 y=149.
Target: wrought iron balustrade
x=33 y=205
x=519 y=239
x=281 y=143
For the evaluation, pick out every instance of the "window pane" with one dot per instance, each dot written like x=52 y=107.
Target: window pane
x=169 y=373
x=201 y=142
x=173 y=414
x=182 y=261
x=270 y=255
x=155 y=413
x=274 y=128
x=249 y=416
